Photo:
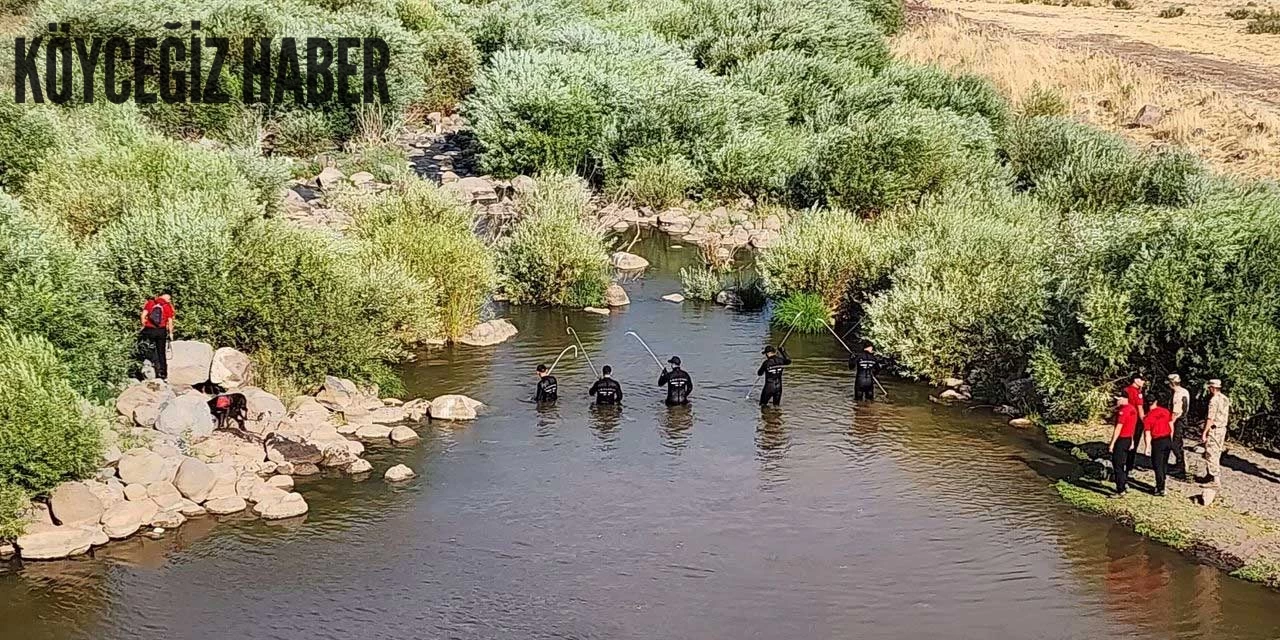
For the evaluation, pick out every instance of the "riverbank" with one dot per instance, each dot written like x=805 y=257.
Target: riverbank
x=1238 y=532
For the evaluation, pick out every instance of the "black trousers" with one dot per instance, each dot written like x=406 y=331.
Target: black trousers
x=1133 y=454
x=158 y=340
x=1160 y=460
x=864 y=391
x=1179 y=437
x=771 y=393
x=1120 y=457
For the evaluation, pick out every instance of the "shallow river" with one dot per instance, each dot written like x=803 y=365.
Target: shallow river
x=899 y=519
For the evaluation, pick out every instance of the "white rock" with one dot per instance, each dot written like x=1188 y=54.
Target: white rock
x=281 y=482
x=1207 y=496
x=140 y=466
x=99 y=537
x=402 y=434
x=191 y=509
x=165 y=495
x=224 y=506
x=189 y=362
x=147 y=392
x=616 y=296
x=59 y=542
x=338 y=392
x=289 y=505
x=135 y=492
x=952 y=383
x=478 y=190
x=596 y=310
x=108 y=493
x=308 y=410
x=124 y=519
x=387 y=415
x=523 y=185
x=338 y=454
x=398 y=473
x=373 y=432
x=7 y=551
x=73 y=504
x=454 y=407
x=264 y=409
x=362 y=178
x=674 y=297
x=951 y=394
x=628 y=261
x=187 y=413
x=1020 y=423
x=111 y=455
x=330 y=177
x=251 y=487
x=230 y=368
x=168 y=520
x=358 y=466
x=489 y=333
x=145 y=415
x=194 y=480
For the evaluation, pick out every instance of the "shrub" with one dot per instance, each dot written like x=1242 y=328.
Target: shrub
x=304 y=133
x=759 y=164
x=1122 y=4
x=451 y=61
x=810 y=86
x=659 y=183
x=386 y=162
x=1043 y=101
x=1264 y=22
x=28 y=135
x=48 y=289
x=964 y=94
x=46 y=436
x=803 y=312
x=555 y=256
x=700 y=283
x=1172 y=11
x=827 y=252
x=1240 y=13
x=13 y=503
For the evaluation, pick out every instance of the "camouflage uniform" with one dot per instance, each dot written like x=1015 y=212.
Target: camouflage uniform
x=1219 y=408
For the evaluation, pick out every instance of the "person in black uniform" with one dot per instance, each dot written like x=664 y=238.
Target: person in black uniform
x=606 y=389
x=867 y=365
x=775 y=360
x=547 y=389
x=678 y=383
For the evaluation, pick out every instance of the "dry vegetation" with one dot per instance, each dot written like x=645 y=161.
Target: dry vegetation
x=1108 y=86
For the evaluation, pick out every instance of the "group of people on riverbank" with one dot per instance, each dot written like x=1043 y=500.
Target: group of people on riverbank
x=1160 y=427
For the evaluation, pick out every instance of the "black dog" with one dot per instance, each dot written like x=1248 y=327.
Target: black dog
x=229 y=406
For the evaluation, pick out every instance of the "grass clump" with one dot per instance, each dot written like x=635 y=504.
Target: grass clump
x=658 y=184
x=555 y=256
x=1264 y=22
x=1240 y=13
x=700 y=283
x=1122 y=4
x=803 y=312
x=1172 y=11
x=1043 y=101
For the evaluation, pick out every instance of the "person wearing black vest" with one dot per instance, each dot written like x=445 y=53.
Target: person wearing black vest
x=867 y=365
x=606 y=389
x=775 y=360
x=678 y=383
x=547 y=389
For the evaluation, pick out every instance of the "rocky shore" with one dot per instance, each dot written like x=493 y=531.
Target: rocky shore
x=164 y=462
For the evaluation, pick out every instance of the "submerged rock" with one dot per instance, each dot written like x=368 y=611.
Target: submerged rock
x=278 y=507
x=628 y=261
x=489 y=333
x=596 y=310
x=616 y=296
x=454 y=407
x=674 y=297
x=398 y=473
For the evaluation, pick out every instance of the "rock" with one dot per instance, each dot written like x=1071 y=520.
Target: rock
x=478 y=190
x=37 y=516
x=330 y=177
x=145 y=415
x=952 y=383
x=762 y=238
x=168 y=520
x=194 y=480
x=449 y=177
x=952 y=395
x=489 y=333
x=230 y=368
x=281 y=482
x=628 y=261
x=186 y=414
x=251 y=487
x=772 y=222
x=189 y=362
x=305 y=469
x=523 y=185
x=1021 y=423
x=596 y=310
x=7 y=551
x=674 y=297
x=225 y=506
x=124 y=519
x=416 y=409
x=361 y=178
x=338 y=392
x=1207 y=496
x=358 y=466
x=454 y=407
x=190 y=509
x=111 y=455
x=387 y=415
x=398 y=473
x=150 y=392
x=392 y=402
x=140 y=466
x=616 y=296
x=401 y=435
x=165 y=495
x=60 y=542
x=373 y=432
x=155 y=533
x=135 y=492
x=1148 y=116
x=288 y=505
x=74 y=504
x=166 y=450
x=108 y=493
x=728 y=298
x=264 y=409
x=675 y=222
x=340 y=453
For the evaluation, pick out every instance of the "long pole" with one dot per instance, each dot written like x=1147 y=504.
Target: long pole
x=584 y=349
x=646 y=348
x=566 y=350
x=780 y=345
x=846 y=348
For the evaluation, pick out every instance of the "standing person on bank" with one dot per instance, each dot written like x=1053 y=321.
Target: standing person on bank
x=1122 y=444
x=157 y=331
x=1158 y=425
x=775 y=360
x=1133 y=393
x=1214 y=436
x=1181 y=409
x=866 y=365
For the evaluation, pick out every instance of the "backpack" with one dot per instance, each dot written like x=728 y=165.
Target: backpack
x=156 y=316
x=222 y=402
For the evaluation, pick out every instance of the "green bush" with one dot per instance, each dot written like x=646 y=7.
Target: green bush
x=47 y=288
x=1240 y=13
x=812 y=87
x=700 y=283
x=1264 y=22
x=451 y=61
x=556 y=255
x=828 y=252
x=1172 y=11
x=1043 y=101
x=803 y=312
x=304 y=133
x=963 y=94
x=13 y=503
x=1122 y=4
x=659 y=183
x=28 y=135
x=386 y=162
x=46 y=436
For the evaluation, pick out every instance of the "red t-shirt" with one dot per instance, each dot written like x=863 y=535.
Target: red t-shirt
x=1127 y=416
x=166 y=312
x=1134 y=395
x=1159 y=423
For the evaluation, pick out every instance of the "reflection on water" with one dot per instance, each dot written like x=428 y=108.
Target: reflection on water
x=820 y=519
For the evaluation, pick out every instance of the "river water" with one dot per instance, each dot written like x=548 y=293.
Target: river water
x=898 y=519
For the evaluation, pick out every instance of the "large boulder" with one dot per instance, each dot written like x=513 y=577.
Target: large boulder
x=338 y=393
x=373 y=432
x=398 y=473
x=478 y=190
x=283 y=449
x=402 y=435
x=225 y=506
x=285 y=505
x=145 y=415
x=230 y=368
x=59 y=542
x=124 y=519
x=148 y=392
x=489 y=333
x=194 y=480
x=187 y=413
x=454 y=407
x=189 y=362
x=108 y=493
x=74 y=503
x=628 y=261
x=387 y=415
x=141 y=466
x=264 y=409
x=165 y=495
x=616 y=296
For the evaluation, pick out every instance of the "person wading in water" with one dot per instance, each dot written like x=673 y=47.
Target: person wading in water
x=678 y=383
x=547 y=389
x=1122 y=444
x=775 y=360
x=157 y=331
x=606 y=389
x=867 y=365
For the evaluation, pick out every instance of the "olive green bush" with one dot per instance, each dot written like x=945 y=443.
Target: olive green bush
x=657 y=183
x=28 y=135
x=13 y=502
x=828 y=252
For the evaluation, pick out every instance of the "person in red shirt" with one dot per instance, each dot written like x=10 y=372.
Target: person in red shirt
x=1158 y=425
x=1133 y=393
x=1122 y=443
x=157 y=331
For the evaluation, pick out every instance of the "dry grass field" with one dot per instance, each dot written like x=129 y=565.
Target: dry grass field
x=1217 y=86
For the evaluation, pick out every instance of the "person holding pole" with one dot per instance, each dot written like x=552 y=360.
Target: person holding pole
x=678 y=383
x=547 y=389
x=775 y=360
x=867 y=365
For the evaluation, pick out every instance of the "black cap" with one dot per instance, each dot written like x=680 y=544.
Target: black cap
x=675 y=360
x=542 y=368
x=768 y=349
